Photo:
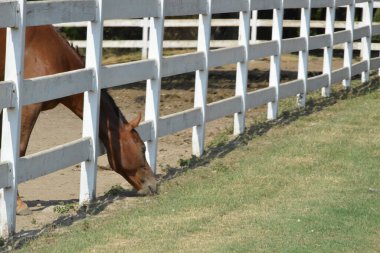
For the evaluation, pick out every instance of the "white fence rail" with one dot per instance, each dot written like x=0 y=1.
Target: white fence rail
x=216 y=22
x=188 y=44
x=16 y=92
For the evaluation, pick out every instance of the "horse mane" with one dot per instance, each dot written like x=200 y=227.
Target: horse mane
x=104 y=92
x=71 y=45
x=76 y=49
x=113 y=105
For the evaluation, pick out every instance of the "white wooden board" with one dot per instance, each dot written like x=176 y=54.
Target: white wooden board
x=295 y=4
x=56 y=86
x=358 y=68
x=145 y=130
x=361 y=32
x=180 y=64
x=322 y=3
x=263 y=49
x=375 y=63
x=339 y=3
x=223 y=108
x=317 y=82
x=342 y=37
x=8 y=13
x=261 y=97
x=184 y=8
x=224 y=56
x=293 y=45
x=122 y=9
x=5 y=175
x=179 y=121
x=319 y=41
x=48 y=161
x=6 y=94
x=291 y=89
x=59 y=11
x=339 y=75
x=265 y=4
x=125 y=73
x=227 y=6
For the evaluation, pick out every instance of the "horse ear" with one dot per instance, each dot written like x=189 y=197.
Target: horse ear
x=135 y=122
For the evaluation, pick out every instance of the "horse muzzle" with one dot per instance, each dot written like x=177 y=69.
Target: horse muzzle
x=149 y=188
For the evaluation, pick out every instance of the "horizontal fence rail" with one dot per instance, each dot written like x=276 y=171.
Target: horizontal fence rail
x=189 y=44
x=231 y=22
x=16 y=92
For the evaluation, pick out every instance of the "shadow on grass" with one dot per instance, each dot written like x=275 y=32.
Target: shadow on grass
x=67 y=217
x=118 y=193
x=287 y=117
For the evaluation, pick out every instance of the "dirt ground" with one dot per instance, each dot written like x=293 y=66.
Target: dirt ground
x=59 y=126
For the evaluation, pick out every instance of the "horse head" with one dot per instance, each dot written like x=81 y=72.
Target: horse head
x=133 y=165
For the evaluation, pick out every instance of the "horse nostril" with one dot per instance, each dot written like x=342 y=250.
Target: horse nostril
x=151 y=189
x=142 y=181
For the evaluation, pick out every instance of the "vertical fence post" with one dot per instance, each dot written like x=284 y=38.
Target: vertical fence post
x=242 y=69
x=348 y=46
x=153 y=86
x=145 y=38
x=366 y=41
x=328 y=51
x=201 y=80
x=14 y=71
x=91 y=105
x=275 y=61
x=254 y=20
x=303 y=61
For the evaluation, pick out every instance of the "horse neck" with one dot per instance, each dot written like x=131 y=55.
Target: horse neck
x=110 y=129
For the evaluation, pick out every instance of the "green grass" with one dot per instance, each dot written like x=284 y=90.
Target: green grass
x=63 y=208
x=302 y=185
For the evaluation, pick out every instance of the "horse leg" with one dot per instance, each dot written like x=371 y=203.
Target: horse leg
x=28 y=120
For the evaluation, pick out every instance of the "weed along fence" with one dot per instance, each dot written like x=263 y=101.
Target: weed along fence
x=16 y=92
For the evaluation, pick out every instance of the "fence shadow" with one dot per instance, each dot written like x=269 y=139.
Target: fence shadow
x=24 y=236
x=287 y=117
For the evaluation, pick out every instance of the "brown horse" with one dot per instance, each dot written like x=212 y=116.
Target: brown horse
x=46 y=53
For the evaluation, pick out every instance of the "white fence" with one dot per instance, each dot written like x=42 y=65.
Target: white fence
x=16 y=92
x=256 y=23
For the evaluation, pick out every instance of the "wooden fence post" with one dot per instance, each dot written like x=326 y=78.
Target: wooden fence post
x=366 y=41
x=242 y=69
x=304 y=54
x=348 y=46
x=328 y=51
x=145 y=38
x=91 y=106
x=153 y=86
x=14 y=71
x=254 y=26
x=275 y=61
x=201 y=80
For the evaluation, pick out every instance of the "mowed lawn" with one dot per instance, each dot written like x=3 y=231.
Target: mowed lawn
x=312 y=185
